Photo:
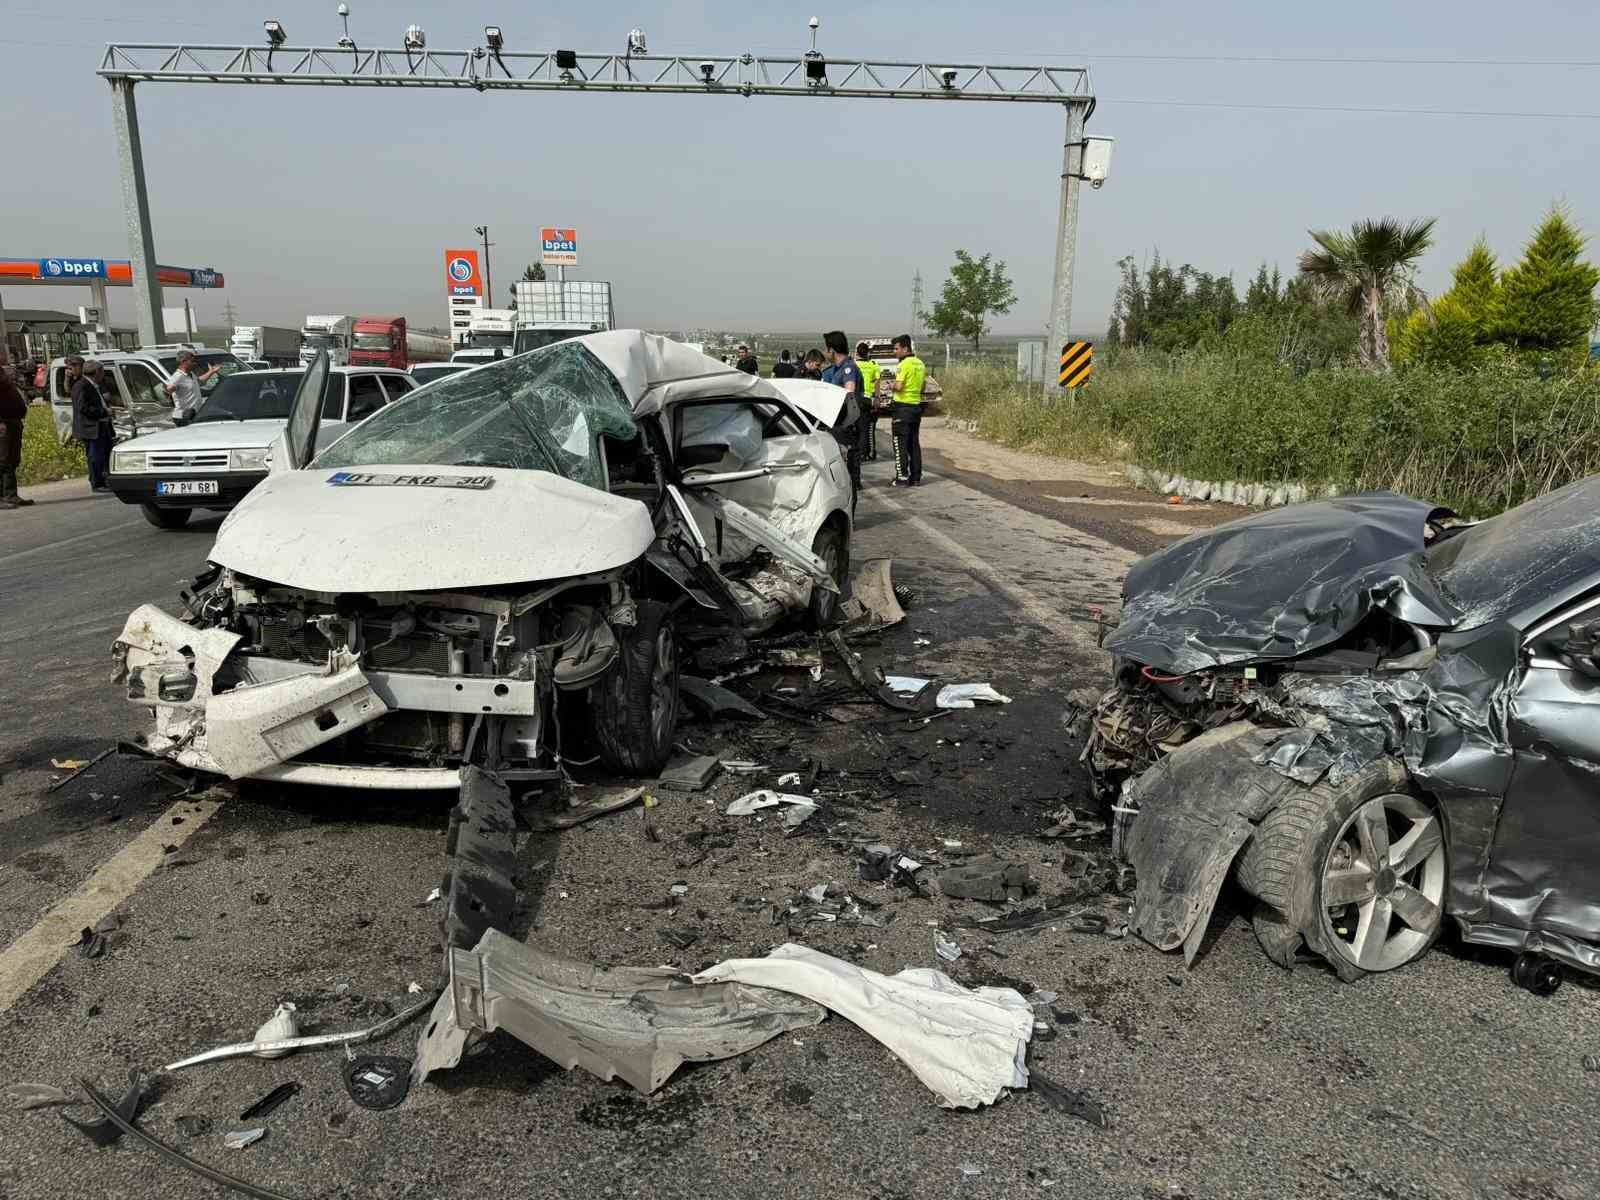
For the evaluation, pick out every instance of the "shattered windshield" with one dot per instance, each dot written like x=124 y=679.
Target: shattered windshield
x=1524 y=557
x=537 y=412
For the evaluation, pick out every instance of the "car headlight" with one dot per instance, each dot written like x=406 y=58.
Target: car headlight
x=249 y=460
x=124 y=462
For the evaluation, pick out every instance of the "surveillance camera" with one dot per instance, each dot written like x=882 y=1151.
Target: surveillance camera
x=344 y=10
x=813 y=23
x=948 y=75
x=1097 y=184
x=492 y=35
x=707 y=69
x=415 y=39
x=636 y=42
x=275 y=33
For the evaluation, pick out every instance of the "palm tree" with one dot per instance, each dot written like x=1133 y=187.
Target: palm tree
x=1366 y=269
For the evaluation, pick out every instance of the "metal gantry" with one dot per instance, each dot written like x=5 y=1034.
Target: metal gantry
x=485 y=69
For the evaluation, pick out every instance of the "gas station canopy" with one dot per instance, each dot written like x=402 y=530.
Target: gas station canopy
x=112 y=272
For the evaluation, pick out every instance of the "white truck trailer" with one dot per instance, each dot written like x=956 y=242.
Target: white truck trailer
x=330 y=333
x=266 y=343
x=552 y=311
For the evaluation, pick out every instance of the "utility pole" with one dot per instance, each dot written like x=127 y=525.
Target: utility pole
x=1060 y=327
x=136 y=207
x=488 y=274
x=917 y=303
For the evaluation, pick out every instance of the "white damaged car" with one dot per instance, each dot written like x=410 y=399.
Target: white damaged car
x=500 y=551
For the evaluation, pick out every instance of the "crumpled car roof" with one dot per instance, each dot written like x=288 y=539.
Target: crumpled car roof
x=1280 y=584
x=655 y=371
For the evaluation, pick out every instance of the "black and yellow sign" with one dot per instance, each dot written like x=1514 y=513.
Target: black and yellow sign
x=1077 y=363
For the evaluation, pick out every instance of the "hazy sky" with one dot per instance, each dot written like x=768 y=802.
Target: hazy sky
x=798 y=214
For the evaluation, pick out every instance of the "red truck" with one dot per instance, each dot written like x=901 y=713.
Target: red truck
x=385 y=342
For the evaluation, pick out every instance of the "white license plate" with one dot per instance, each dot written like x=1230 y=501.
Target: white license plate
x=188 y=487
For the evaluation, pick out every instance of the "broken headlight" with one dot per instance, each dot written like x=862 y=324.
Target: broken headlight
x=249 y=460
x=127 y=461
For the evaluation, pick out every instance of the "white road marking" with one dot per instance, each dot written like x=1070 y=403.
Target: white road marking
x=1046 y=616
x=30 y=958
x=71 y=541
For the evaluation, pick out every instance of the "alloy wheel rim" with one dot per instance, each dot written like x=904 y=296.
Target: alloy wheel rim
x=1382 y=885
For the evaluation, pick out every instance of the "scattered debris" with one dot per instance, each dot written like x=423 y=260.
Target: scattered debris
x=951 y=695
x=482 y=872
x=791 y=779
x=966 y=1045
x=680 y=938
x=279 y=1027
x=238 y=1139
x=193 y=1126
x=797 y=809
x=240 y=1049
x=884 y=863
x=577 y=813
x=69 y=764
x=715 y=700
x=945 y=946
x=105 y=1129
x=872 y=681
x=76 y=767
x=377 y=1081
x=830 y=902
x=690 y=774
x=679 y=889
x=737 y=766
x=1077 y=1104
x=95 y=941
x=636 y=1023
x=270 y=1101
x=988 y=878
x=873 y=587
x=1068 y=824
x=39 y=1095
x=436 y=894
x=413 y=988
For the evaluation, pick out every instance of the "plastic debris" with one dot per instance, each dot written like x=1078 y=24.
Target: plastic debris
x=690 y=773
x=277 y=1028
x=988 y=878
x=96 y=940
x=798 y=809
x=679 y=889
x=717 y=701
x=413 y=988
x=967 y=1045
x=740 y=766
x=192 y=1125
x=579 y=812
x=965 y=695
x=436 y=894
x=102 y=1130
x=69 y=764
x=791 y=779
x=945 y=946
x=284 y=1045
x=1077 y=1104
x=377 y=1081
x=238 y=1139
x=38 y=1095
x=270 y=1101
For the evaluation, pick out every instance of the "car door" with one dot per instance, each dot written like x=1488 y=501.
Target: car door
x=364 y=396
x=397 y=386
x=145 y=393
x=1544 y=864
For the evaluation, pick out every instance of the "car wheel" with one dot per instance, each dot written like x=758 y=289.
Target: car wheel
x=166 y=518
x=635 y=704
x=832 y=546
x=1357 y=870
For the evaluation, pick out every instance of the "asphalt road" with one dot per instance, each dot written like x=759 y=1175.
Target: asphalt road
x=1234 y=1080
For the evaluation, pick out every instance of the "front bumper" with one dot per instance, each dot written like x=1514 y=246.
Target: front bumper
x=232 y=487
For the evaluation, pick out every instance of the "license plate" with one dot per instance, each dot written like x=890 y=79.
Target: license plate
x=188 y=487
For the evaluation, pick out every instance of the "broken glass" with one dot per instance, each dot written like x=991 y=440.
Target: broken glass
x=537 y=412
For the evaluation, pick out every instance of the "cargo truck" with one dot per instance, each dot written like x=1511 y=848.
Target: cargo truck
x=330 y=333
x=386 y=342
x=490 y=334
x=552 y=311
x=266 y=343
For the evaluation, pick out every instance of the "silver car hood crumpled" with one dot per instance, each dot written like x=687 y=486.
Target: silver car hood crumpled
x=304 y=530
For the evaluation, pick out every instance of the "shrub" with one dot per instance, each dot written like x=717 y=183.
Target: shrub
x=44 y=458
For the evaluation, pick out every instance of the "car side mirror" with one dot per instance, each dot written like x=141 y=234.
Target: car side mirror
x=1582 y=647
x=703 y=455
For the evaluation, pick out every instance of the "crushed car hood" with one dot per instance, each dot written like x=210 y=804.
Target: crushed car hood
x=307 y=530
x=1280 y=584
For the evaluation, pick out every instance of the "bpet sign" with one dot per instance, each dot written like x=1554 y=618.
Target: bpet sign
x=72 y=268
x=560 y=247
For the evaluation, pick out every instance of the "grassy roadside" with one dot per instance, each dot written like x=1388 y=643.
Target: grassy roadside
x=44 y=458
x=1480 y=441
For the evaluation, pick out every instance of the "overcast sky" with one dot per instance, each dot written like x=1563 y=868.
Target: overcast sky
x=798 y=214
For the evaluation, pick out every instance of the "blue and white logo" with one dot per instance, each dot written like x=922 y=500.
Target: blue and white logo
x=460 y=269
x=204 y=277
x=468 y=290
x=72 y=268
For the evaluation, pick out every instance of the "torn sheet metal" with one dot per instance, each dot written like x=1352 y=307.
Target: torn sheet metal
x=873 y=681
x=717 y=701
x=796 y=809
x=255 y=726
x=765 y=534
x=636 y=1023
x=1196 y=808
x=873 y=586
x=967 y=1046
x=1280 y=584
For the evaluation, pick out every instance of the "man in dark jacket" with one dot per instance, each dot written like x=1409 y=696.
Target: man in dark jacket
x=91 y=421
x=13 y=414
x=784 y=367
x=747 y=362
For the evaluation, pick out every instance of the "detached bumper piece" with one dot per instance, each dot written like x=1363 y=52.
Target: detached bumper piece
x=636 y=1023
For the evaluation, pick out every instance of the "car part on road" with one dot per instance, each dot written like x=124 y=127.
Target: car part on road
x=39 y=1095
x=797 y=809
x=988 y=878
x=280 y=1026
x=1073 y=1103
x=481 y=874
x=107 y=1128
x=94 y=941
x=872 y=679
x=690 y=773
x=270 y=1101
x=873 y=588
x=717 y=701
x=238 y=1139
x=637 y=1023
x=1536 y=973
x=308 y=1041
x=945 y=946
x=377 y=1081
x=577 y=813
x=172 y=1153
x=967 y=1045
x=78 y=769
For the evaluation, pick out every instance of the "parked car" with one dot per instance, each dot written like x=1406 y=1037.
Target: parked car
x=428 y=372
x=135 y=387
x=496 y=570
x=1390 y=720
x=213 y=460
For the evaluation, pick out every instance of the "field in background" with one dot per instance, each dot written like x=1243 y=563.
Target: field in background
x=45 y=459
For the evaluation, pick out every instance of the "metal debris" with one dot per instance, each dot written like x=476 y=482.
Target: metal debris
x=238 y=1139
x=240 y=1049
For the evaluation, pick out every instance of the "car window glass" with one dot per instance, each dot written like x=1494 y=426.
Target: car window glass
x=540 y=412
x=142 y=385
x=251 y=396
x=396 y=386
x=737 y=424
x=333 y=398
x=366 y=397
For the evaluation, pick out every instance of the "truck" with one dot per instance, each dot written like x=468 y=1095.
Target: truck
x=271 y=344
x=386 y=342
x=490 y=331
x=330 y=333
x=552 y=311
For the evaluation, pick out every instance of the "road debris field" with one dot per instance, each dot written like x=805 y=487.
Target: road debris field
x=854 y=938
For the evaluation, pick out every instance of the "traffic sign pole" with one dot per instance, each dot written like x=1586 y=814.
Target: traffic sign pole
x=136 y=206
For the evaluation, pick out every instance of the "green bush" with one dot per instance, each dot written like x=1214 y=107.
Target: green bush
x=44 y=458
x=1479 y=441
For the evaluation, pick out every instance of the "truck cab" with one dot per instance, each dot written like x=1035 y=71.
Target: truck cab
x=380 y=342
x=330 y=333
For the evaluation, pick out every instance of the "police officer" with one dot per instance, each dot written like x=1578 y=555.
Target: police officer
x=906 y=413
x=868 y=425
x=847 y=428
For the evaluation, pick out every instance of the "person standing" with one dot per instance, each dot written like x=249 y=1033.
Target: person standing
x=868 y=425
x=906 y=413
x=13 y=417
x=184 y=387
x=784 y=367
x=91 y=421
x=811 y=367
x=747 y=362
x=847 y=429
